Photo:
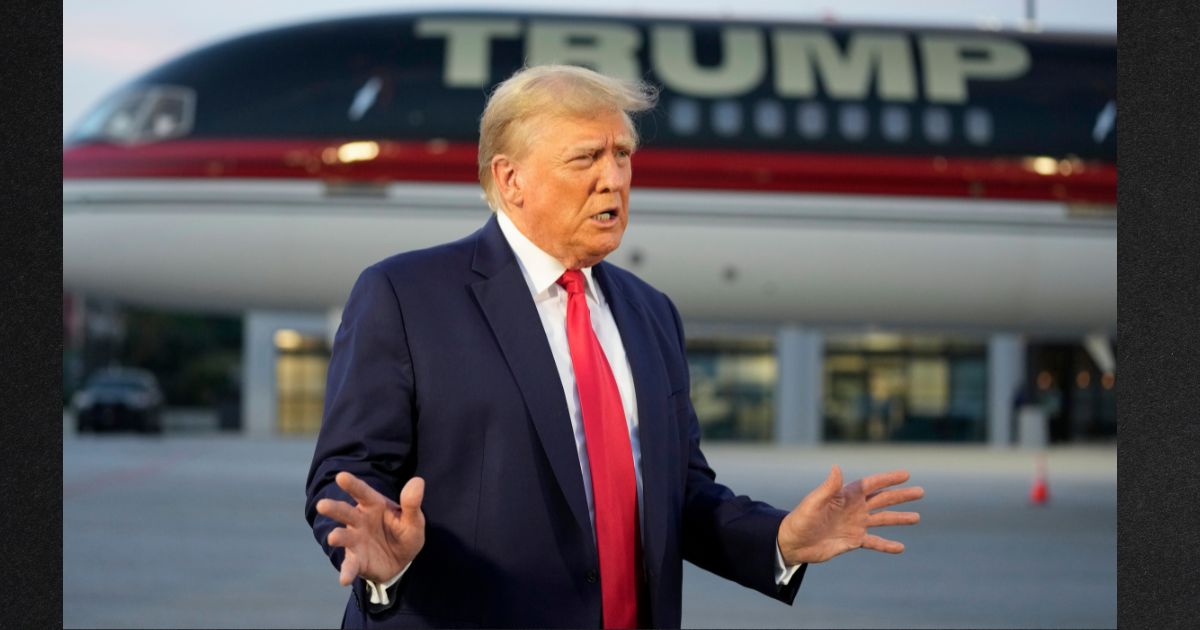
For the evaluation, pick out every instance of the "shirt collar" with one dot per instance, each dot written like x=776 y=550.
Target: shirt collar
x=541 y=270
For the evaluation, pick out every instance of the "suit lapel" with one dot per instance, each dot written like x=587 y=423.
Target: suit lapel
x=504 y=298
x=652 y=389
x=513 y=318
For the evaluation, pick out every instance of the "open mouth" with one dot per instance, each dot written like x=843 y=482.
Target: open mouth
x=607 y=217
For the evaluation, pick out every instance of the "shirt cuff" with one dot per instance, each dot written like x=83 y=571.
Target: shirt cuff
x=379 y=595
x=783 y=573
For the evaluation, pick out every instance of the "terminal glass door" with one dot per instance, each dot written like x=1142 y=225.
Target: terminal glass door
x=300 y=365
x=884 y=387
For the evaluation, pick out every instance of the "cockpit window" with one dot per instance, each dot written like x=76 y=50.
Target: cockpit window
x=146 y=113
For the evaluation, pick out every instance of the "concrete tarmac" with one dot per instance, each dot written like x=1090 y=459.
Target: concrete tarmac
x=207 y=530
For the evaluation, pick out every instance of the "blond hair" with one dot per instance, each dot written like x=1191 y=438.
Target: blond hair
x=555 y=90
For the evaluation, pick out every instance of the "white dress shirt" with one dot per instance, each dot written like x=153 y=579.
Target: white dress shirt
x=541 y=272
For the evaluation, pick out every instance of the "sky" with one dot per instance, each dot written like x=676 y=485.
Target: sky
x=106 y=44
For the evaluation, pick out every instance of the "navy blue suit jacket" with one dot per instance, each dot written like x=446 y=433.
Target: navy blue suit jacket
x=441 y=369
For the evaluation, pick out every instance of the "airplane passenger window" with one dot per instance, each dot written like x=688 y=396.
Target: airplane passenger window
x=894 y=123
x=852 y=122
x=810 y=119
x=977 y=125
x=937 y=125
x=727 y=118
x=768 y=119
x=685 y=116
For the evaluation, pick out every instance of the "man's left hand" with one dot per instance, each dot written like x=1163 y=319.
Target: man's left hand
x=834 y=519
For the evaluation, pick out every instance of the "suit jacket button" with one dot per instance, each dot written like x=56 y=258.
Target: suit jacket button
x=592 y=577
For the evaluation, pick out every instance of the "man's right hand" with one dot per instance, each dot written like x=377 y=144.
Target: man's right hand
x=380 y=536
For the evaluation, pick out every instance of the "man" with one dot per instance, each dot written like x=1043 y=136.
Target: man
x=528 y=406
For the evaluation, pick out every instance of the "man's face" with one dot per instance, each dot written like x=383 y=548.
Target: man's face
x=573 y=182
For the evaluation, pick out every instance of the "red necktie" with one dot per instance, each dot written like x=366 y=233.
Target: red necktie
x=610 y=458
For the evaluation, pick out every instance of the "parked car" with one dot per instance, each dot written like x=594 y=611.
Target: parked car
x=119 y=398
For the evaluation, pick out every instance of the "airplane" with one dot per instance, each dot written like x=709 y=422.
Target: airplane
x=864 y=201
x=831 y=174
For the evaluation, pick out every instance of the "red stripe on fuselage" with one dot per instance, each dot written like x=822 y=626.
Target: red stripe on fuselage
x=712 y=169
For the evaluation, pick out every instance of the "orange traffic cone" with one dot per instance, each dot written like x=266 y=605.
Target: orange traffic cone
x=1040 y=493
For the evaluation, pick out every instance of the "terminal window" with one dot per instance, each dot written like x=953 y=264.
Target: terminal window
x=885 y=387
x=301 y=363
x=733 y=387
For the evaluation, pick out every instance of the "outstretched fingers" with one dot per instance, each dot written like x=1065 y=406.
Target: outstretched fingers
x=832 y=484
x=339 y=511
x=874 y=483
x=364 y=494
x=349 y=569
x=412 y=494
x=882 y=544
x=882 y=519
x=340 y=537
x=877 y=497
x=888 y=498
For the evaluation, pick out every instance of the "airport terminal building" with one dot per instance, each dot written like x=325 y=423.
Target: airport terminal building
x=872 y=233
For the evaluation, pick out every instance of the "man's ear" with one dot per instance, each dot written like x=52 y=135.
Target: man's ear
x=507 y=181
